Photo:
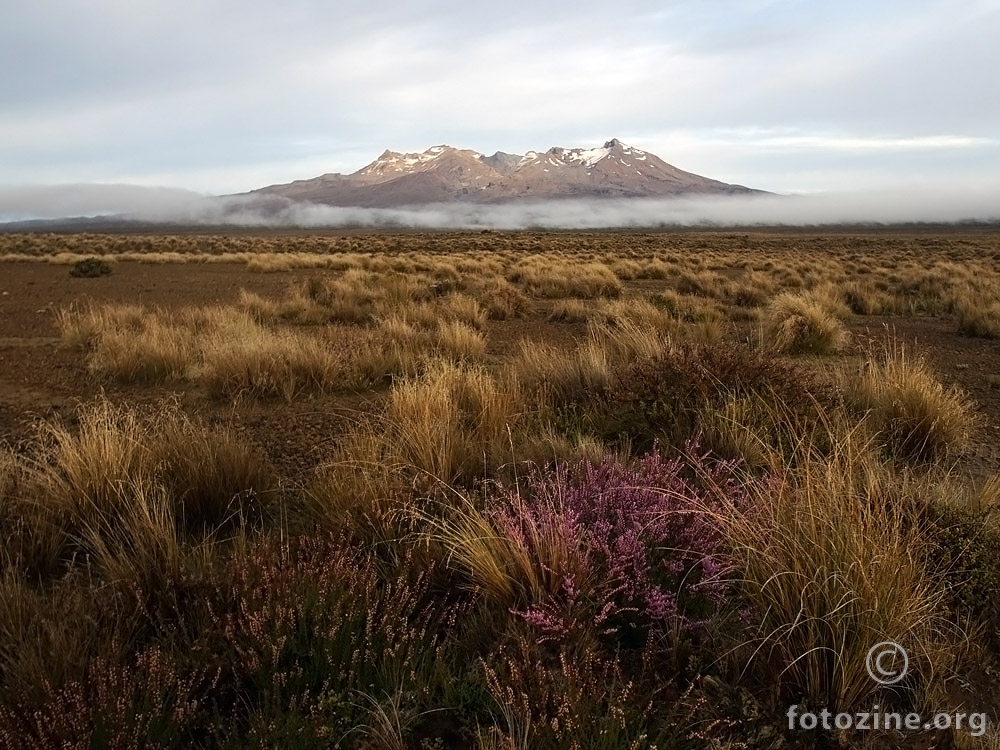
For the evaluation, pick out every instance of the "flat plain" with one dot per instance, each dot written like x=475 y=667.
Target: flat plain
x=490 y=489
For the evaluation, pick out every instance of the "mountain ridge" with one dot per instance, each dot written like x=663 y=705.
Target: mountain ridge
x=445 y=174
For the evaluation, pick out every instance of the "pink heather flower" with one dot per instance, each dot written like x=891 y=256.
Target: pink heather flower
x=638 y=546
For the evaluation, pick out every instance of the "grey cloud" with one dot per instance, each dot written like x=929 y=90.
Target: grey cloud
x=113 y=91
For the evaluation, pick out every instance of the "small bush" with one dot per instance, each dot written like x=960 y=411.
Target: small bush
x=90 y=268
x=147 y=703
x=303 y=629
x=578 y=698
x=966 y=551
x=664 y=397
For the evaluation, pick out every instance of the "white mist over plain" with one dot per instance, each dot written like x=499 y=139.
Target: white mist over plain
x=177 y=207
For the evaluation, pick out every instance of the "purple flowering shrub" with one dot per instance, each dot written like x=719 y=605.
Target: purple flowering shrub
x=623 y=547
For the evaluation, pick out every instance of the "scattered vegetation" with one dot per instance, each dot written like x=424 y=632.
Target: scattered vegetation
x=562 y=491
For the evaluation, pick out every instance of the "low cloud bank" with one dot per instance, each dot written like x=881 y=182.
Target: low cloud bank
x=161 y=205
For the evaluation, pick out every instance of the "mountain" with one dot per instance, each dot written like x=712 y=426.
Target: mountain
x=443 y=174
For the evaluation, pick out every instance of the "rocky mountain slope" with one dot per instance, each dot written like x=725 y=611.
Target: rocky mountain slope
x=443 y=174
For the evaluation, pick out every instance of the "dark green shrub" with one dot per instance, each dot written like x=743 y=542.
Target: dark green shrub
x=662 y=398
x=967 y=554
x=90 y=268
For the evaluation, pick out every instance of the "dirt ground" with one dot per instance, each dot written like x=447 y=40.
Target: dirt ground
x=40 y=377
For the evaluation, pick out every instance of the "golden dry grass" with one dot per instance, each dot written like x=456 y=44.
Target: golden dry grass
x=917 y=416
x=559 y=278
x=548 y=371
x=121 y=489
x=798 y=324
x=452 y=422
x=832 y=560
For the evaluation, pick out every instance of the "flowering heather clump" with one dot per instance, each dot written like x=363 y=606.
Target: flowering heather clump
x=307 y=627
x=637 y=545
x=149 y=703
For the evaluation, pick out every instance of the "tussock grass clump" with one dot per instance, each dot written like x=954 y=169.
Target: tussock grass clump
x=360 y=491
x=460 y=341
x=798 y=324
x=569 y=311
x=864 y=298
x=500 y=299
x=223 y=348
x=243 y=358
x=753 y=290
x=161 y=352
x=84 y=327
x=832 y=565
x=214 y=478
x=297 y=308
x=978 y=317
x=124 y=487
x=552 y=279
x=269 y=263
x=701 y=284
x=552 y=373
x=918 y=417
x=128 y=342
x=463 y=309
x=549 y=447
x=639 y=311
x=452 y=422
x=627 y=339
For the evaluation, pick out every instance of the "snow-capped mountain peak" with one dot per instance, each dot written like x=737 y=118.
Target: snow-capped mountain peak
x=397 y=162
x=444 y=173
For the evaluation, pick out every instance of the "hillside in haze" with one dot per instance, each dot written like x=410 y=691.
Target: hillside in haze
x=444 y=174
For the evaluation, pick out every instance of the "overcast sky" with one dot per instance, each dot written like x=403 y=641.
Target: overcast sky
x=223 y=96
